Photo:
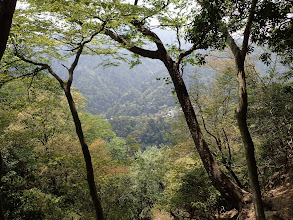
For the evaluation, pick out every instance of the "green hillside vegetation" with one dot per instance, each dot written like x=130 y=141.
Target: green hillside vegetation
x=147 y=131
x=145 y=89
x=119 y=90
x=35 y=128
x=200 y=129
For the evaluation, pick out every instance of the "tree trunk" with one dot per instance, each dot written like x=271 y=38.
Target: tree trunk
x=87 y=156
x=221 y=182
x=241 y=115
x=1 y=205
x=7 y=8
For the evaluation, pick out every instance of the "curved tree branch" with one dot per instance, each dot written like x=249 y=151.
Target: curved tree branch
x=137 y=50
x=148 y=33
x=43 y=65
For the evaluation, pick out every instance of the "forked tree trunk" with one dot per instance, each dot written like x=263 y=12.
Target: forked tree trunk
x=7 y=8
x=241 y=115
x=87 y=157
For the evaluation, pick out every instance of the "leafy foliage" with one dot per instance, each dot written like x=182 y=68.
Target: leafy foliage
x=147 y=131
x=274 y=27
x=44 y=176
x=270 y=118
x=147 y=174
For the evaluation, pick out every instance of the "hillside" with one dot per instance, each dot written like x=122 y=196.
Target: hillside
x=114 y=91
x=118 y=90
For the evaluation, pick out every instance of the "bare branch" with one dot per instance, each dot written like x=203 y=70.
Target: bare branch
x=65 y=66
x=205 y=127
x=228 y=145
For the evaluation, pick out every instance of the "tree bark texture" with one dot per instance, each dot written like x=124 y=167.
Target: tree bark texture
x=87 y=156
x=1 y=172
x=241 y=115
x=7 y=8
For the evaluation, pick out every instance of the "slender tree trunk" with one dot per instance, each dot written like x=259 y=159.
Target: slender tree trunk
x=241 y=115
x=87 y=156
x=221 y=182
x=1 y=205
x=7 y=8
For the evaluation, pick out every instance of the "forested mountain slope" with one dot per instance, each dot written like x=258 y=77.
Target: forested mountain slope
x=120 y=90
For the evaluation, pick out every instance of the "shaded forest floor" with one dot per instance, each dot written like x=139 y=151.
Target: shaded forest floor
x=280 y=200
x=278 y=204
